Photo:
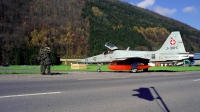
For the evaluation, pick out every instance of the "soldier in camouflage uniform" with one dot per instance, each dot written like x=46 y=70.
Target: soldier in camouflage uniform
x=45 y=60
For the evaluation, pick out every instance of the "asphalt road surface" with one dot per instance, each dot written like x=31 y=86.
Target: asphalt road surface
x=101 y=92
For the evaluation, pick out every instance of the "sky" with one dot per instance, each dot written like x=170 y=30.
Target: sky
x=185 y=11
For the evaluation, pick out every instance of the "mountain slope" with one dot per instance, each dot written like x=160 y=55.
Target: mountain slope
x=126 y=25
x=81 y=28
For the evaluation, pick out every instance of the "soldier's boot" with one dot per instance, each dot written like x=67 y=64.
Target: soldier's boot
x=48 y=70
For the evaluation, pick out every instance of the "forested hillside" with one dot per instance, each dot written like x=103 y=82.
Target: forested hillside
x=81 y=28
x=126 y=25
x=28 y=24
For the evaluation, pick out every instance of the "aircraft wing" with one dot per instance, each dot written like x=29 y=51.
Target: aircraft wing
x=130 y=60
x=97 y=59
x=127 y=58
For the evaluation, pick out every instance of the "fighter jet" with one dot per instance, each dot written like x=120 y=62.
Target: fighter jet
x=172 y=50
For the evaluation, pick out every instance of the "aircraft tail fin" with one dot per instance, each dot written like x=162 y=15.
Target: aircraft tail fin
x=173 y=44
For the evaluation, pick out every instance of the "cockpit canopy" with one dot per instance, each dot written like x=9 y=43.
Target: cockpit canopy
x=111 y=46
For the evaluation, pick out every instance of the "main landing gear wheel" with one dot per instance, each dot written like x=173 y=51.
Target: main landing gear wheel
x=134 y=70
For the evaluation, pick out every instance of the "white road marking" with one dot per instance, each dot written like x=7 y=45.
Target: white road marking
x=197 y=80
x=35 y=94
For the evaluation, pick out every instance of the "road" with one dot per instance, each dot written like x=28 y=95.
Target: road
x=101 y=92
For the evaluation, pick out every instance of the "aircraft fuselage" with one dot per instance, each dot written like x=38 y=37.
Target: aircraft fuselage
x=151 y=56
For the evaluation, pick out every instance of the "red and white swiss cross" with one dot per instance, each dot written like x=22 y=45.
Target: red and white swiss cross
x=172 y=41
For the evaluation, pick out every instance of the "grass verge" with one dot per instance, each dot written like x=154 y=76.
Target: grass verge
x=28 y=69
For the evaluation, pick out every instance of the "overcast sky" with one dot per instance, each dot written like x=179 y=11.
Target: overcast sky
x=186 y=11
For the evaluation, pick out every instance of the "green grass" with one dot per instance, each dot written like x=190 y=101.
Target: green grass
x=175 y=68
x=60 y=67
x=28 y=69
